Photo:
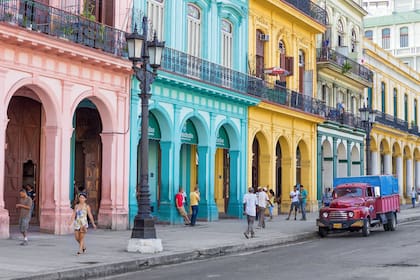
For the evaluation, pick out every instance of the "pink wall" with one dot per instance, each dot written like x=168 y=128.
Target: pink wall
x=61 y=74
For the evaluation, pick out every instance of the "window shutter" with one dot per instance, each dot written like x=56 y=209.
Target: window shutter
x=289 y=64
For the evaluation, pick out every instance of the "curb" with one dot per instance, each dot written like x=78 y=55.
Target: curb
x=109 y=269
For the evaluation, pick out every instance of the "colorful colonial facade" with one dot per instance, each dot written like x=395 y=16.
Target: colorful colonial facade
x=283 y=127
x=198 y=109
x=341 y=84
x=64 y=114
x=395 y=137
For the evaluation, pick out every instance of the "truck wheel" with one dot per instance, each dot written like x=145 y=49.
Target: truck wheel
x=323 y=232
x=365 y=229
x=392 y=224
x=386 y=227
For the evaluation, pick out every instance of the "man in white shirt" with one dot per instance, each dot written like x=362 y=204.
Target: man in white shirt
x=250 y=204
x=262 y=204
x=294 y=196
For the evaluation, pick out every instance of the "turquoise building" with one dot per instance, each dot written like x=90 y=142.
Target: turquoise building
x=198 y=109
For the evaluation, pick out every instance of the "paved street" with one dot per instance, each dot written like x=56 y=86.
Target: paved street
x=383 y=255
x=53 y=257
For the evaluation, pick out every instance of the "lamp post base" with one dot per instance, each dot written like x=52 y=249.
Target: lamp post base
x=148 y=246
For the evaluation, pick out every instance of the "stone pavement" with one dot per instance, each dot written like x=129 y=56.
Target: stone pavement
x=54 y=257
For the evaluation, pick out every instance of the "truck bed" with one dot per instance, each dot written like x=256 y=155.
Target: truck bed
x=388 y=203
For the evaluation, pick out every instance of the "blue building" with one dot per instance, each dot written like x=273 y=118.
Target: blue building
x=198 y=109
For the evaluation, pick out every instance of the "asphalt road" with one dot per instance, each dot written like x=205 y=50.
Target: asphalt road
x=381 y=256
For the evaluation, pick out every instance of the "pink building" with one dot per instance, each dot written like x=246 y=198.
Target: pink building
x=64 y=113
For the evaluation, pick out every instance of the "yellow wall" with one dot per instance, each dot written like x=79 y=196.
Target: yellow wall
x=271 y=124
x=283 y=22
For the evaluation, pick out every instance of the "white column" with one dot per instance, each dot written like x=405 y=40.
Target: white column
x=388 y=164
x=399 y=164
x=409 y=176
x=374 y=163
x=417 y=174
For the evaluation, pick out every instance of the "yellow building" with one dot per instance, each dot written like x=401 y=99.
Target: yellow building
x=282 y=128
x=395 y=137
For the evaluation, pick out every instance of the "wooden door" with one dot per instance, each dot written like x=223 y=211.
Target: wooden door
x=226 y=178
x=88 y=156
x=23 y=145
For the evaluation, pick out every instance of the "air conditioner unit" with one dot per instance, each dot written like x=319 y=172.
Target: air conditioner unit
x=264 y=37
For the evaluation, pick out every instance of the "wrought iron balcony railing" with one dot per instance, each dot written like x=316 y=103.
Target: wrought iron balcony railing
x=311 y=9
x=391 y=121
x=55 y=22
x=343 y=117
x=343 y=62
x=193 y=67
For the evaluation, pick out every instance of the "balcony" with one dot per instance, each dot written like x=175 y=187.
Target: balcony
x=344 y=118
x=49 y=20
x=310 y=9
x=344 y=64
x=183 y=64
x=390 y=120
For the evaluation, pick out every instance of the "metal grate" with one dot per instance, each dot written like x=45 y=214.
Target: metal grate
x=338 y=215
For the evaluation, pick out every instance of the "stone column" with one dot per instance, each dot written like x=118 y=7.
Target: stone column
x=4 y=214
x=362 y=158
x=409 y=177
x=319 y=162
x=400 y=175
x=349 y=162
x=417 y=175
x=49 y=179
x=388 y=164
x=166 y=194
x=335 y=157
x=235 y=207
x=374 y=163
x=112 y=212
x=207 y=207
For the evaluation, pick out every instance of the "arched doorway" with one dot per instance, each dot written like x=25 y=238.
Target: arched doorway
x=154 y=163
x=355 y=161
x=189 y=159
x=222 y=172
x=22 y=154
x=342 y=160
x=255 y=163
x=87 y=146
x=298 y=166
x=278 y=170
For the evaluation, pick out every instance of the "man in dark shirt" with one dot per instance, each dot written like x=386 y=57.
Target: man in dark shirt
x=24 y=205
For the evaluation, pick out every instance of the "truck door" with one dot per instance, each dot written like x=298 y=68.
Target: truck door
x=370 y=201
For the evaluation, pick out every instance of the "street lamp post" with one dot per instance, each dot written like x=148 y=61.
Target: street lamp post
x=146 y=57
x=367 y=117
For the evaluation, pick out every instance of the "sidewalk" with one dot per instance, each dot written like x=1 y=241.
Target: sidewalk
x=54 y=257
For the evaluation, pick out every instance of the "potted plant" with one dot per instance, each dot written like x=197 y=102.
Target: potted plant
x=67 y=31
x=346 y=67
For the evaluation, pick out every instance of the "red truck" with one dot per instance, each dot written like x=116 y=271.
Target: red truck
x=360 y=203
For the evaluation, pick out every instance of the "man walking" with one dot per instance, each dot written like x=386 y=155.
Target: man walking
x=179 y=198
x=294 y=196
x=24 y=205
x=250 y=205
x=413 y=197
x=303 y=194
x=194 y=200
x=262 y=204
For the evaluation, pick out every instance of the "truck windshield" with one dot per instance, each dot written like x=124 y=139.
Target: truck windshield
x=348 y=192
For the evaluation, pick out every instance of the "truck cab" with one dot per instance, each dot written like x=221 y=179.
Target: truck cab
x=359 y=204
